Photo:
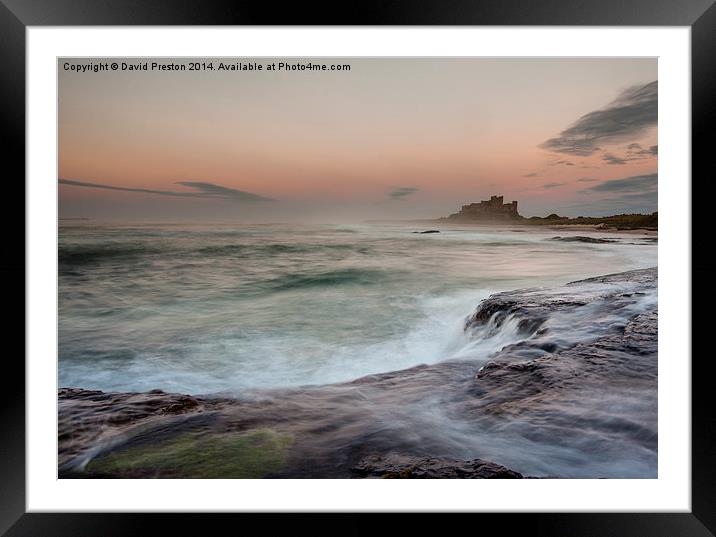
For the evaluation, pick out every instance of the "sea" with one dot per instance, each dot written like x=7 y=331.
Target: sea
x=232 y=309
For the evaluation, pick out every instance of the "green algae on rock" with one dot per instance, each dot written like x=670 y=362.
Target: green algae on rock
x=248 y=455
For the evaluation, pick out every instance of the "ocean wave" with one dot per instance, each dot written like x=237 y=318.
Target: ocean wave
x=301 y=306
x=90 y=254
x=96 y=253
x=585 y=408
x=499 y=243
x=330 y=278
x=275 y=249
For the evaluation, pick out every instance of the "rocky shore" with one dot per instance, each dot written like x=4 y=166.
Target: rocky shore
x=573 y=396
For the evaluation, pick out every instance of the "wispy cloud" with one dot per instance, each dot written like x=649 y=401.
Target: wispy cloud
x=587 y=180
x=201 y=190
x=533 y=174
x=402 y=192
x=553 y=185
x=636 y=151
x=631 y=152
x=629 y=115
x=636 y=183
x=219 y=191
x=641 y=197
x=613 y=159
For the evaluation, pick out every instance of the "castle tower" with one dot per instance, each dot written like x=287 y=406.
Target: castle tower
x=493 y=210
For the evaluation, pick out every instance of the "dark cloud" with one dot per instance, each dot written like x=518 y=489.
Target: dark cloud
x=553 y=185
x=561 y=163
x=205 y=190
x=635 y=194
x=636 y=151
x=632 y=152
x=642 y=197
x=636 y=183
x=613 y=159
x=402 y=192
x=644 y=203
x=629 y=115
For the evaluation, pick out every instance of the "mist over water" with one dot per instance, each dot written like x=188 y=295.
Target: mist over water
x=206 y=309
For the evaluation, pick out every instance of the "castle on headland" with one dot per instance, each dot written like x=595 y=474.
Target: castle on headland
x=490 y=210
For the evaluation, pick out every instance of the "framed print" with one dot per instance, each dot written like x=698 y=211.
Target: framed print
x=401 y=261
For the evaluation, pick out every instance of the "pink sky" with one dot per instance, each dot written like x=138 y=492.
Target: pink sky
x=389 y=138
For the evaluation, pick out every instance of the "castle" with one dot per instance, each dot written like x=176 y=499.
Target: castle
x=490 y=210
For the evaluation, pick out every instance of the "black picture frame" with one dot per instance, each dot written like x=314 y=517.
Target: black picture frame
x=16 y=15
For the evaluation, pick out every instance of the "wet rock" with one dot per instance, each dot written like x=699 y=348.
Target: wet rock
x=88 y=417
x=647 y=277
x=413 y=467
x=530 y=313
x=592 y=392
x=531 y=307
x=576 y=397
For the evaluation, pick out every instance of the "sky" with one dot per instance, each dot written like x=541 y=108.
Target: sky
x=389 y=138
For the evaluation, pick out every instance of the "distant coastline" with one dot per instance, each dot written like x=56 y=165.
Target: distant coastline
x=647 y=223
x=617 y=222
x=495 y=211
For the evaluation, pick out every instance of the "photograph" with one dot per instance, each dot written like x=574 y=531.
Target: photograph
x=357 y=267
